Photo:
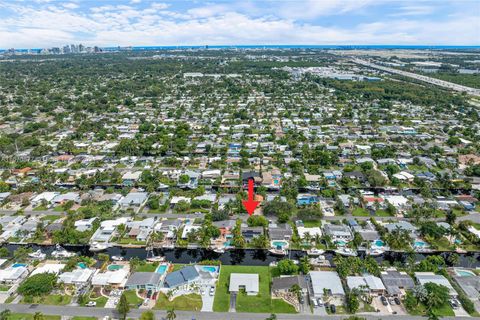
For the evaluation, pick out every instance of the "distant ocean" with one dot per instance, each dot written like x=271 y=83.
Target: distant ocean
x=342 y=47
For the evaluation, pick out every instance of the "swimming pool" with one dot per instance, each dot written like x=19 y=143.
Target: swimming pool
x=209 y=269
x=114 y=267
x=279 y=244
x=464 y=273
x=82 y=265
x=161 y=269
x=18 y=265
x=379 y=243
x=420 y=244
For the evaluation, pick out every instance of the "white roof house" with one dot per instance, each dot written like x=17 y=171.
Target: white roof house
x=311 y=231
x=11 y=274
x=54 y=268
x=110 y=278
x=368 y=283
x=47 y=196
x=430 y=277
x=69 y=196
x=78 y=276
x=247 y=281
x=189 y=228
x=134 y=199
x=328 y=280
x=84 y=224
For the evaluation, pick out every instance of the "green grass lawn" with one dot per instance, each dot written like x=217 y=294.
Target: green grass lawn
x=132 y=298
x=52 y=299
x=40 y=208
x=178 y=266
x=50 y=218
x=147 y=267
x=25 y=316
x=189 y=302
x=312 y=224
x=360 y=212
x=421 y=310
x=261 y=303
x=101 y=301
x=382 y=213
x=4 y=288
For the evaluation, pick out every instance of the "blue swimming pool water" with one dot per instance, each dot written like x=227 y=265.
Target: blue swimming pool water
x=114 y=267
x=161 y=269
x=209 y=269
x=279 y=243
x=17 y=265
x=82 y=265
x=464 y=273
x=379 y=243
x=227 y=243
x=420 y=244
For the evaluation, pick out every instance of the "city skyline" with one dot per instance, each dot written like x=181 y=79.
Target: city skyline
x=45 y=23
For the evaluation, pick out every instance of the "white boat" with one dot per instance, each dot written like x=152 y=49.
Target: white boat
x=315 y=252
x=320 y=261
x=219 y=250
x=97 y=247
x=118 y=258
x=153 y=258
x=375 y=252
x=37 y=255
x=60 y=252
x=278 y=252
x=344 y=251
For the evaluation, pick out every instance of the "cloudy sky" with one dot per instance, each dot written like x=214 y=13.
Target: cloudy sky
x=46 y=23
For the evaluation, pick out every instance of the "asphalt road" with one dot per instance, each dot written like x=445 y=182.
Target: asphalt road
x=185 y=315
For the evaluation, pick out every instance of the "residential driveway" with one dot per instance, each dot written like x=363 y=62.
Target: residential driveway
x=460 y=312
x=378 y=305
x=207 y=300
x=320 y=311
x=233 y=302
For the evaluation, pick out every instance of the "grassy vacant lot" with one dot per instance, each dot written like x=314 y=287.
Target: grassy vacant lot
x=189 y=302
x=261 y=303
x=25 y=316
x=421 y=310
x=132 y=298
x=52 y=299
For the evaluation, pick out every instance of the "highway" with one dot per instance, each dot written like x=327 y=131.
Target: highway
x=188 y=315
x=438 y=82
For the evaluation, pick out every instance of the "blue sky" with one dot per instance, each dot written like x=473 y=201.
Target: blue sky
x=46 y=23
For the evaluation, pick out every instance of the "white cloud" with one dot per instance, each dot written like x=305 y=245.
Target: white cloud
x=70 y=5
x=159 y=24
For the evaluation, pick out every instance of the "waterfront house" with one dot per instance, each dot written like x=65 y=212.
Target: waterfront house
x=78 y=277
x=181 y=277
x=326 y=283
x=13 y=274
x=430 y=277
x=396 y=283
x=280 y=232
x=470 y=285
x=111 y=278
x=144 y=280
x=248 y=282
x=251 y=232
x=284 y=284
x=368 y=283
x=338 y=233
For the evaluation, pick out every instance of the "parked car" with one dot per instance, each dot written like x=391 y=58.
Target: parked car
x=453 y=304
x=145 y=302
x=320 y=302
x=333 y=309
x=315 y=303
x=212 y=291
x=384 y=300
x=397 y=301
x=91 y=304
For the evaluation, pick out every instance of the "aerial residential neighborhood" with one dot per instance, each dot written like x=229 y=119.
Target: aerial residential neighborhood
x=236 y=181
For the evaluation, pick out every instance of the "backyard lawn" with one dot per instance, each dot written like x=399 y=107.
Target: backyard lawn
x=189 y=302
x=261 y=303
x=147 y=267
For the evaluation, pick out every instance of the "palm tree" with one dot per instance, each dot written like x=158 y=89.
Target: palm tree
x=171 y=314
x=38 y=316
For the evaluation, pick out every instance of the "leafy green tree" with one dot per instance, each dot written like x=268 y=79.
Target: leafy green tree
x=171 y=314
x=257 y=221
x=352 y=302
x=147 y=315
x=123 y=307
x=38 y=285
x=286 y=266
x=38 y=316
x=5 y=314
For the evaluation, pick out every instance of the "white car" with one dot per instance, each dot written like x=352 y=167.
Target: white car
x=91 y=304
x=212 y=291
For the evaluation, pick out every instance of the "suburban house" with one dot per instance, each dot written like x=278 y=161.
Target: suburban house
x=470 y=285
x=251 y=232
x=326 y=282
x=367 y=283
x=430 y=277
x=115 y=278
x=144 y=280
x=280 y=232
x=13 y=275
x=133 y=199
x=338 y=232
x=78 y=277
x=283 y=284
x=396 y=283
x=181 y=277
x=248 y=282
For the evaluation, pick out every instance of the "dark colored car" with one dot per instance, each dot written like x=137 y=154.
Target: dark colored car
x=333 y=309
x=384 y=300
x=397 y=301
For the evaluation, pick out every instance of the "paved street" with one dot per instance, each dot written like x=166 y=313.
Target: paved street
x=185 y=315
